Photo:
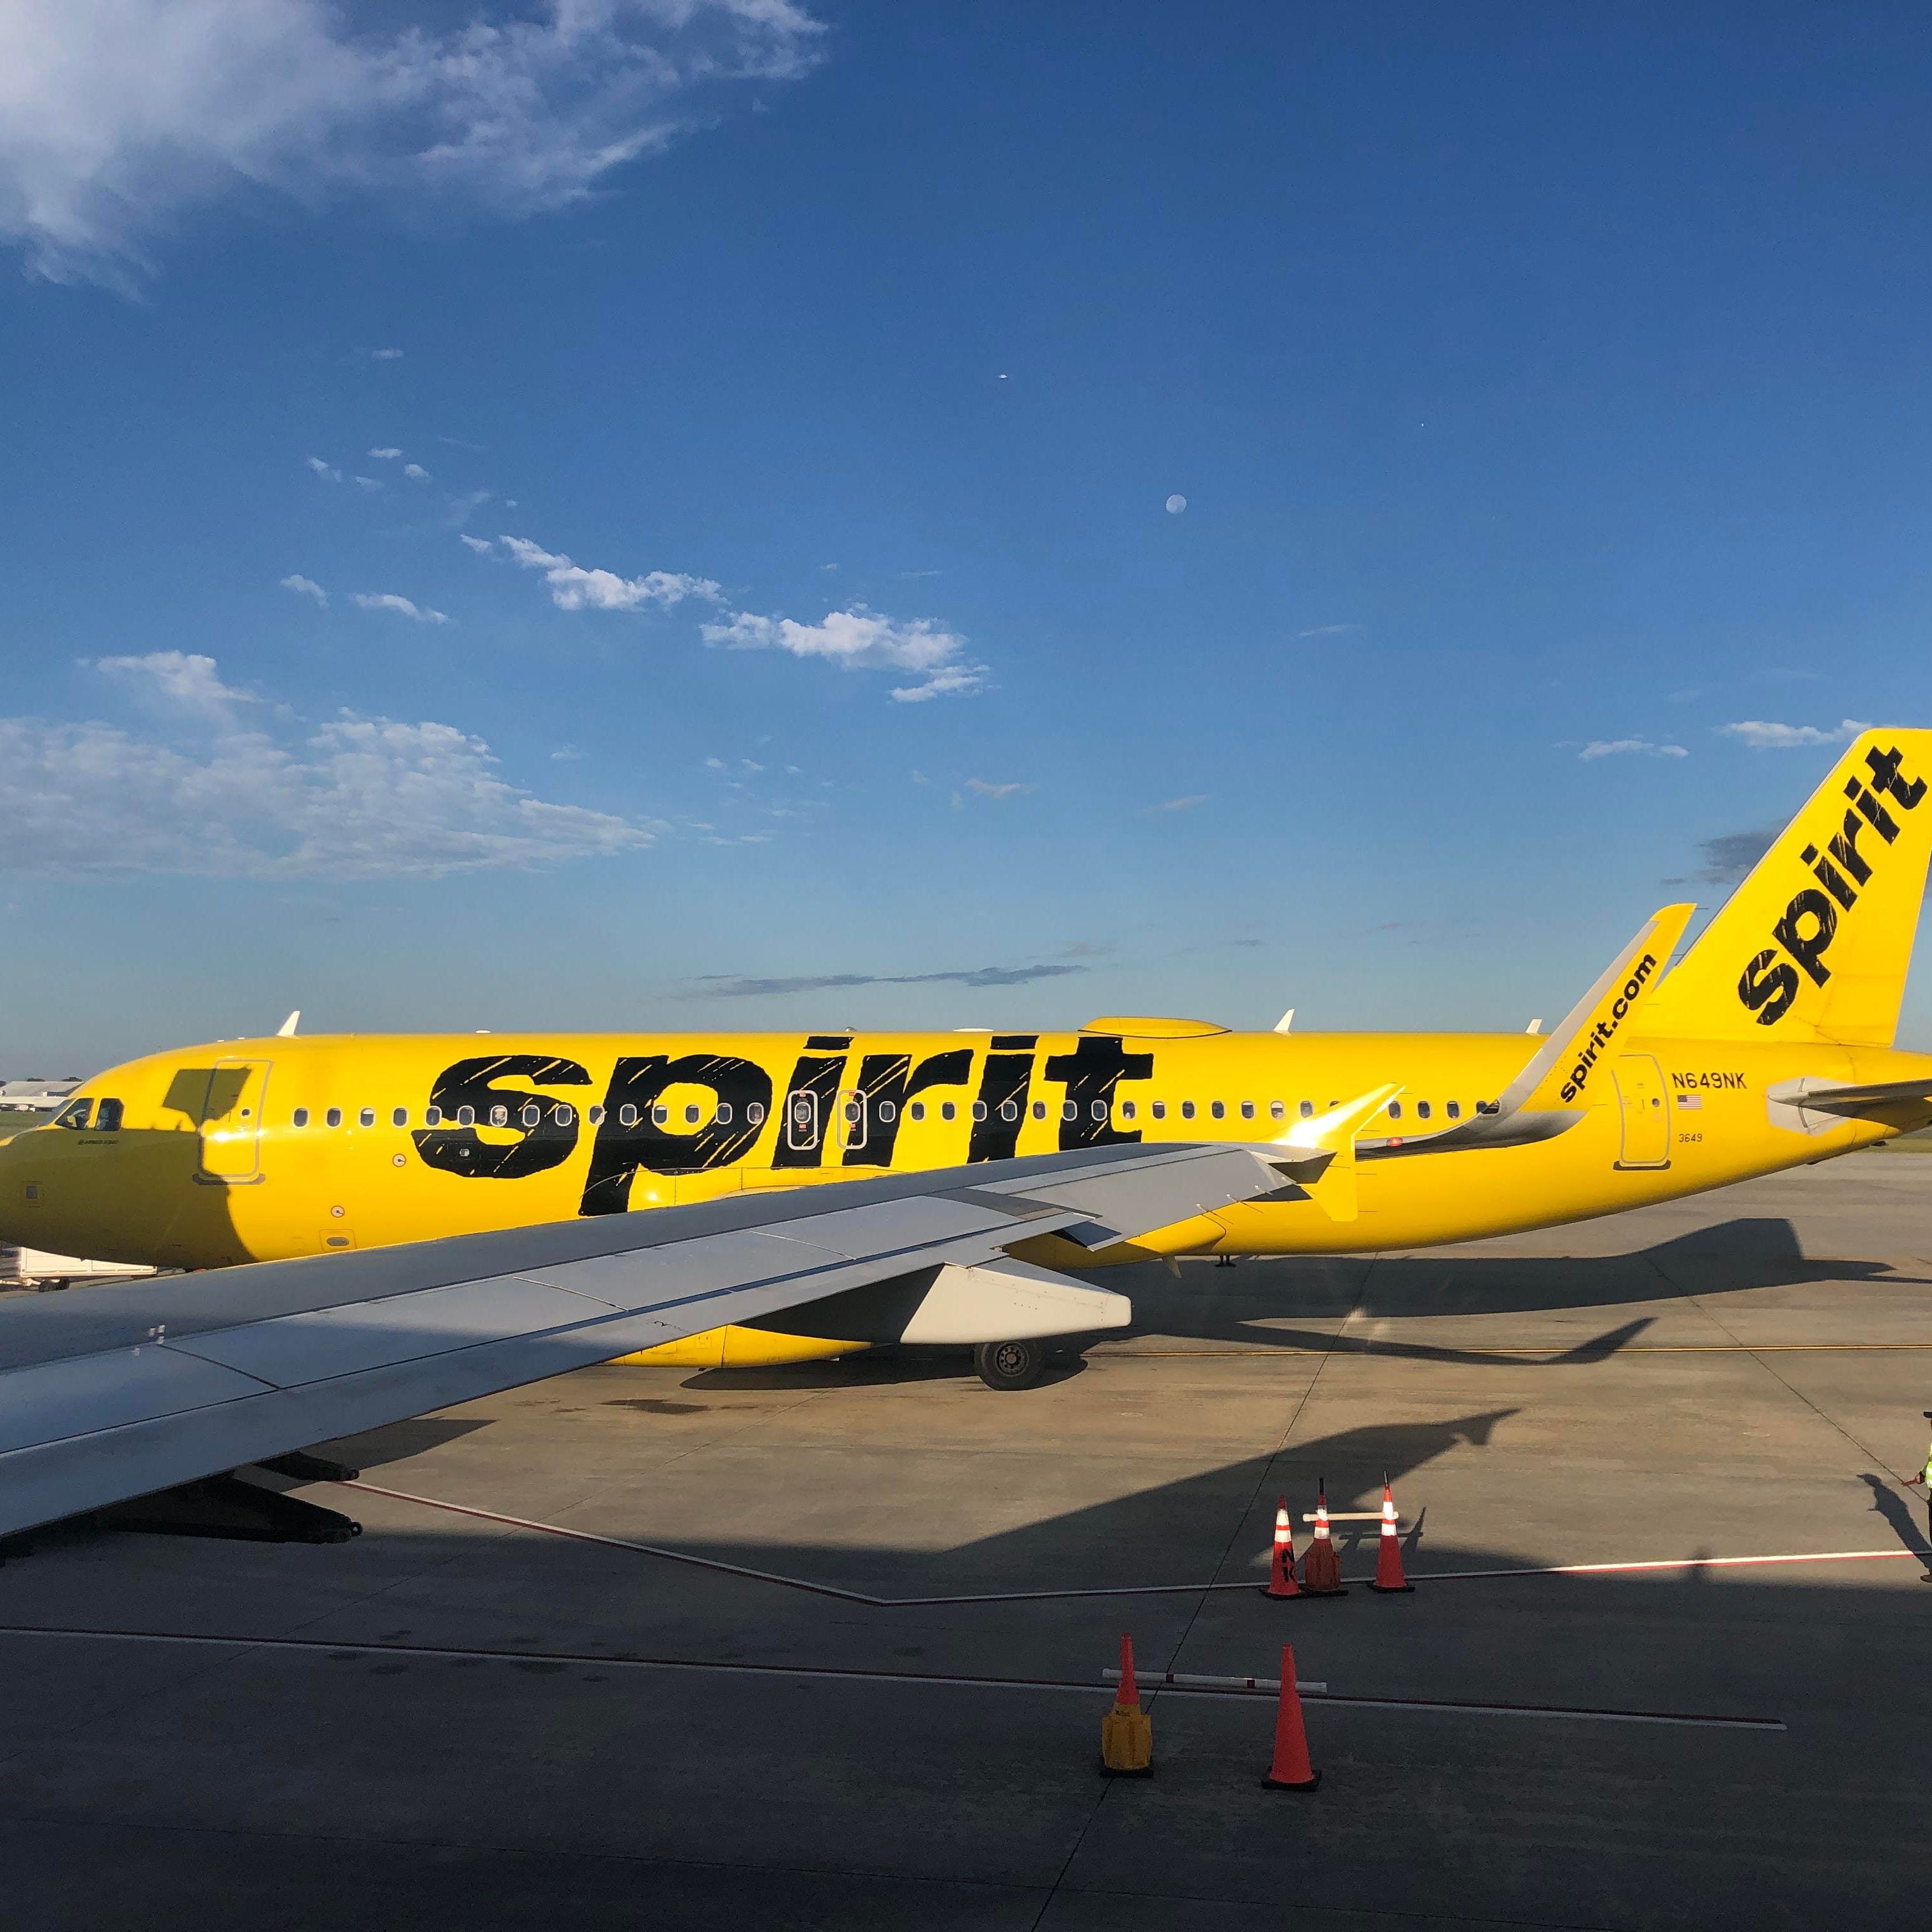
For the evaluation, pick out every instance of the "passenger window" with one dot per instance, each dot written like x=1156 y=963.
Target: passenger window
x=566 y=1115
x=755 y=1113
x=532 y=1113
x=1307 y=1110
x=365 y=1117
x=1454 y=1110
x=979 y=1110
x=107 y=1120
x=1422 y=1110
x=334 y=1117
x=76 y=1113
x=466 y=1116
x=432 y=1116
x=595 y=1117
x=1247 y=1110
x=1069 y=1111
x=1187 y=1110
x=1219 y=1108
x=627 y=1116
x=1395 y=1110
x=947 y=1110
x=1277 y=1110
x=691 y=1113
x=1009 y=1110
x=300 y=1117
x=400 y=1117
x=1098 y=1108
x=887 y=1111
x=722 y=1116
x=660 y=1116
x=1039 y=1110
x=917 y=1110
x=1159 y=1110
x=499 y=1117
x=1126 y=1110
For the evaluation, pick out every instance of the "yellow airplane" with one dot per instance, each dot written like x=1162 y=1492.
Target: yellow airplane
x=1769 y=1045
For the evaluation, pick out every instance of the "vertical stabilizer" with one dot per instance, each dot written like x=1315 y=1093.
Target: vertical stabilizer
x=1815 y=944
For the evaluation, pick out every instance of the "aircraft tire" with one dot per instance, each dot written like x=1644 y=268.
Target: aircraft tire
x=1010 y=1365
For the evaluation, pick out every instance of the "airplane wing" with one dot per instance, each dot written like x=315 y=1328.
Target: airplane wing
x=1843 y=1097
x=110 y=1393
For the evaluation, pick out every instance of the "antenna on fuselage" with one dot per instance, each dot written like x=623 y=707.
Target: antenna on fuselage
x=287 y=1030
x=1286 y=1021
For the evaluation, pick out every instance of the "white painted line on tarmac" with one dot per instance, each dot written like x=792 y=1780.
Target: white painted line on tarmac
x=1114 y=1590
x=1237 y=1686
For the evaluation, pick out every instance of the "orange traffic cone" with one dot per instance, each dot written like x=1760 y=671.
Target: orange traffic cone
x=1321 y=1568
x=1127 y=1732
x=1291 y=1770
x=1281 y=1570
x=1389 y=1578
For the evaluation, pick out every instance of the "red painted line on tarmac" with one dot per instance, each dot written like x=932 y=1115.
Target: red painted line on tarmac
x=1116 y=1590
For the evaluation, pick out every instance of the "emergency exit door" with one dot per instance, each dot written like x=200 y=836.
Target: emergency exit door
x=1646 y=1113
x=231 y=1120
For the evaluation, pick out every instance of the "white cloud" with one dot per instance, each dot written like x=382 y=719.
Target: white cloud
x=573 y=588
x=986 y=791
x=306 y=587
x=1329 y=630
x=327 y=471
x=1599 y=748
x=358 y=797
x=119 y=117
x=482 y=546
x=385 y=355
x=385 y=455
x=183 y=680
x=1187 y=804
x=861 y=639
x=387 y=600
x=367 y=483
x=416 y=470
x=1761 y=735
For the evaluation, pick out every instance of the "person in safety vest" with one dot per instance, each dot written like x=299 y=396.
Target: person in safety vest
x=1924 y=1477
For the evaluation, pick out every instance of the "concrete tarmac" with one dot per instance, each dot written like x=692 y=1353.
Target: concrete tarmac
x=453 y=1720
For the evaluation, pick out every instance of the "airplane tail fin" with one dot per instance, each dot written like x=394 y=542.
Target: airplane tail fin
x=1815 y=944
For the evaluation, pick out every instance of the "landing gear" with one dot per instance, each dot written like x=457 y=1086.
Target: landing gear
x=1010 y=1365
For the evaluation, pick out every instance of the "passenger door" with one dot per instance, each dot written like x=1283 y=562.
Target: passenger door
x=1646 y=1118
x=231 y=1120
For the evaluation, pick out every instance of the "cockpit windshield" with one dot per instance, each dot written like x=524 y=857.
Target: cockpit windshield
x=76 y=1114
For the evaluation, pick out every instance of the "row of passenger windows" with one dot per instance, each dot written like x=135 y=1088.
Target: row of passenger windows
x=853 y=1110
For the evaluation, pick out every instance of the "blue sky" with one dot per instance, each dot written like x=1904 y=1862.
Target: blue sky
x=818 y=378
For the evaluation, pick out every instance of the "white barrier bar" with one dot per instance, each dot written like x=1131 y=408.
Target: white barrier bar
x=1182 y=1680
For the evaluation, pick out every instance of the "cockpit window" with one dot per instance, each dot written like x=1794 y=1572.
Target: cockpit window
x=76 y=1113
x=107 y=1117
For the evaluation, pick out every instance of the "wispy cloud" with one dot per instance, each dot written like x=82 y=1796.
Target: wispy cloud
x=574 y=588
x=306 y=587
x=385 y=455
x=863 y=639
x=1731 y=855
x=327 y=471
x=1328 y=631
x=482 y=546
x=387 y=600
x=384 y=355
x=1187 y=804
x=987 y=791
x=366 y=483
x=117 y=121
x=1761 y=735
x=717 y=986
x=416 y=471
x=357 y=797
x=1611 y=747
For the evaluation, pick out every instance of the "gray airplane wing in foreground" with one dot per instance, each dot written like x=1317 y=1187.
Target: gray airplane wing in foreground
x=107 y=1394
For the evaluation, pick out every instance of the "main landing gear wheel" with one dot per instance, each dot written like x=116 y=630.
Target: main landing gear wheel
x=1010 y=1365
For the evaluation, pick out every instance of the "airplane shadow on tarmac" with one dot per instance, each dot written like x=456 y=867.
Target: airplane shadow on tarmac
x=1255 y=1305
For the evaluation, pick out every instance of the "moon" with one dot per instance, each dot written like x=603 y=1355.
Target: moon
x=1176 y=504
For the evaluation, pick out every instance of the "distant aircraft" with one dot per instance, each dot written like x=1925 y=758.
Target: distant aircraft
x=1767 y=1046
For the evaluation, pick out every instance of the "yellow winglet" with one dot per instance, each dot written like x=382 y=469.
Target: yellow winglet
x=1318 y=1156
